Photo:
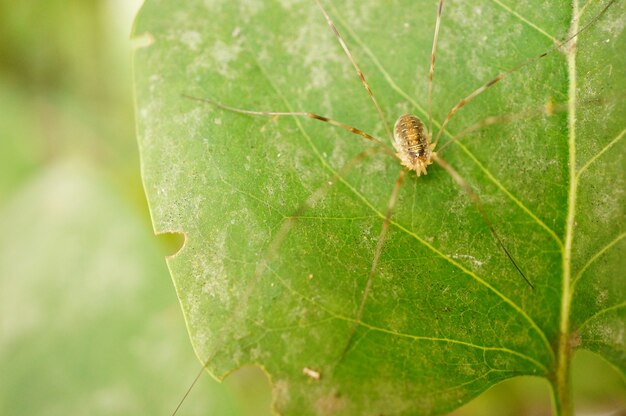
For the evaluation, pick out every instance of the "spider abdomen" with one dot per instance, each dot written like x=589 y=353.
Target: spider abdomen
x=412 y=141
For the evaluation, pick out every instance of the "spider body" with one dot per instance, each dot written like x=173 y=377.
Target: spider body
x=411 y=139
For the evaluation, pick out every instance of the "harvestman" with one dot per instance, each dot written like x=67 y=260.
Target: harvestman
x=413 y=144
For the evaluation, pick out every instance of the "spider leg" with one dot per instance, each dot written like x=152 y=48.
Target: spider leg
x=366 y=85
x=295 y=114
x=477 y=202
x=378 y=251
x=463 y=101
x=431 y=72
x=548 y=109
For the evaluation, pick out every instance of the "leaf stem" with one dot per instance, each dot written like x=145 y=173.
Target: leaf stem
x=563 y=404
x=561 y=385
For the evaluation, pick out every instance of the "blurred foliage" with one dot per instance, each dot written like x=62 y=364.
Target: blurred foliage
x=89 y=322
x=66 y=81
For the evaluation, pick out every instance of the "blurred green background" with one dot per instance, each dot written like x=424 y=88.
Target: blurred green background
x=89 y=322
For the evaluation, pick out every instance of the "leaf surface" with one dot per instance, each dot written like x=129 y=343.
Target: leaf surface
x=282 y=223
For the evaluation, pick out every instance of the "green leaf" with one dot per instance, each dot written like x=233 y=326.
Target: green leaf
x=281 y=231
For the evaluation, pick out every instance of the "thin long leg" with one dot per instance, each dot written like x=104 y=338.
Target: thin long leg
x=379 y=249
x=294 y=114
x=508 y=72
x=344 y=46
x=191 y=386
x=431 y=73
x=477 y=202
x=548 y=109
x=274 y=246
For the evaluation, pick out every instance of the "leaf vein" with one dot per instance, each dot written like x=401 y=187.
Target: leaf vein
x=526 y=21
x=595 y=257
x=402 y=334
x=601 y=152
x=601 y=312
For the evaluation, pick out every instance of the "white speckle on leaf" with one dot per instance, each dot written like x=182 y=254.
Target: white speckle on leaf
x=317 y=58
x=613 y=24
x=286 y=4
x=472 y=259
x=155 y=80
x=210 y=270
x=281 y=391
x=330 y=403
x=256 y=353
x=608 y=205
x=237 y=356
x=223 y=54
x=319 y=77
x=249 y=8
x=602 y=297
x=191 y=39
x=374 y=165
